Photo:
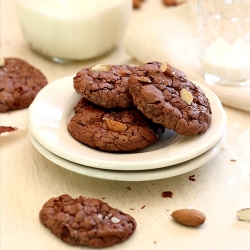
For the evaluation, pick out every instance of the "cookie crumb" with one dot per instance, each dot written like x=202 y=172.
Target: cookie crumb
x=167 y=194
x=191 y=177
x=143 y=207
x=4 y=129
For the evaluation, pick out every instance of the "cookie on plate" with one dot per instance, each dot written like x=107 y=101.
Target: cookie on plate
x=112 y=130
x=19 y=84
x=165 y=95
x=105 y=85
x=86 y=221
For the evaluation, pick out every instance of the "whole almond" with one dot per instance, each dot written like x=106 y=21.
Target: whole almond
x=189 y=217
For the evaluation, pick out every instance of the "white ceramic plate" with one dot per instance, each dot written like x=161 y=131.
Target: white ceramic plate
x=52 y=109
x=143 y=175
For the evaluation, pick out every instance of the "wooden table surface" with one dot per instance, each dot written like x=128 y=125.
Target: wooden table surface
x=28 y=179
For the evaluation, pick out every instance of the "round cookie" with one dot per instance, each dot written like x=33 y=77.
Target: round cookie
x=165 y=95
x=86 y=221
x=105 y=85
x=112 y=130
x=19 y=84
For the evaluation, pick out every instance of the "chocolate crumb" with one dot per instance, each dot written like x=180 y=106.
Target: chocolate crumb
x=191 y=177
x=167 y=194
x=4 y=129
x=128 y=188
x=143 y=207
x=233 y=160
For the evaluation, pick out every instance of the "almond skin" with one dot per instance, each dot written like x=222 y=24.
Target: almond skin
x=189 y=217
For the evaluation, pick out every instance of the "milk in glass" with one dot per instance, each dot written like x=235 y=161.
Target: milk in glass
x=73 y=29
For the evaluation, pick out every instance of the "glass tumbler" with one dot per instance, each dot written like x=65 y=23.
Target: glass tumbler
x=224 y=36
x=70 y=30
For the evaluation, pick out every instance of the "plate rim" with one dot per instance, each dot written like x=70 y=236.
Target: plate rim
x=134 y=176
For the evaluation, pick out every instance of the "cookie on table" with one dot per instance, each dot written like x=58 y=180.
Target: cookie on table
x=19 y=84
x=86 y=221
x=165 y=95
x=112 y=130
x=105 y=85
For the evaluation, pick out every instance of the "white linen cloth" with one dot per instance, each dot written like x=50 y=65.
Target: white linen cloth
x=171 y=35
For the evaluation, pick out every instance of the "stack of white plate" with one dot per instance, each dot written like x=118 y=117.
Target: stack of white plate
x=172 y=155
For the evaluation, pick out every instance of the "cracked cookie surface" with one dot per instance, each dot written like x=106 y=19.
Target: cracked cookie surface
x=157 y=91
x=112 y=130
x=19 y=84
x=106 y=88
x=86 y=221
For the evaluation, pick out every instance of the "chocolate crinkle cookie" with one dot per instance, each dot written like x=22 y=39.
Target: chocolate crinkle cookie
x=86 y=221
x=112 y=130
x=105 y=85
x=19 y=84
x=165 y=95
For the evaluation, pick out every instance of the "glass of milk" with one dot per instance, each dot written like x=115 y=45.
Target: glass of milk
x=70 y=30
x=224 y=33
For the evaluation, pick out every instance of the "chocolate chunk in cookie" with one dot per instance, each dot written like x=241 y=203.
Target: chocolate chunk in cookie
x=112 y=130
x=165 y=95
x=19 y=84
x=105 y=85
x=86 y=221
